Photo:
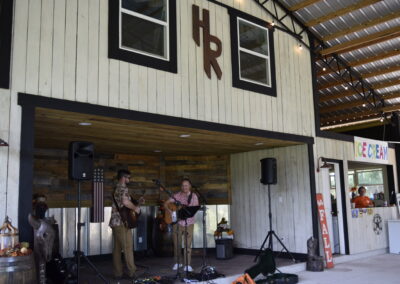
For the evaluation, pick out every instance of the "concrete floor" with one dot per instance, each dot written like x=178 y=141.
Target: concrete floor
x=370 y=268
x=374 y=270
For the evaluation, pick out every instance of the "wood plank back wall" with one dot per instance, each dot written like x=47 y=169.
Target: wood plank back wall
x=210 y=174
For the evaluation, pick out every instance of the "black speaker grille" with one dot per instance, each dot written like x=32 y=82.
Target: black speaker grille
x=268 y=171
x=80 y=159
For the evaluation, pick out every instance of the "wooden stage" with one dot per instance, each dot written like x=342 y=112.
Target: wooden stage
x=162 y=266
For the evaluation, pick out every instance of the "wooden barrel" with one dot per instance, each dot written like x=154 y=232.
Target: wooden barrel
x=17 y=269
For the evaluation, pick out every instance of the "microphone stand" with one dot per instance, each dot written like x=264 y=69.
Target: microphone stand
x=179 y=246
x=203 y=272
x=204 y=208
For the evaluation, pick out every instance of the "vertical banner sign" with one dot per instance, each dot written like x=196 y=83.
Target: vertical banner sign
x=324 y=230
x=209 y=55
x=368 y=150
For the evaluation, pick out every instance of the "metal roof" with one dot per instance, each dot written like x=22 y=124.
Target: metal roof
x=365 y=36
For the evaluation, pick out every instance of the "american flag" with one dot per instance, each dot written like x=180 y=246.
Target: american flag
x=97 y=209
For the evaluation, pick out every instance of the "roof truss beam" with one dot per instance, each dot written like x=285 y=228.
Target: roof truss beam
x=359 y=89
x=375 y=58
x=363 y=76
x=338 y=13
x=362 y=26
x=350 y=79
x=363 y=41
x=280 y=16
x=302 y=5
x=357 y=103
x=359 y=115
x=363 y=61
x=343 y=106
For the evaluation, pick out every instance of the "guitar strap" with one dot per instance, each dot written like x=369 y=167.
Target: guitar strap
x=115 y=201
x=190 y=198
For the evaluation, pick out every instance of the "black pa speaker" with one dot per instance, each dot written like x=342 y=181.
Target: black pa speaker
x=80 y=158
x=268 y=171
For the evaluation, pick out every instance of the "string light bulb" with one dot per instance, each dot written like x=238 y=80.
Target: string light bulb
x=382 y=117
x=345 y=87
x=300 y=46
x=324 y=69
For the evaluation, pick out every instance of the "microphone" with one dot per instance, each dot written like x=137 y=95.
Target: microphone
x=203 y=199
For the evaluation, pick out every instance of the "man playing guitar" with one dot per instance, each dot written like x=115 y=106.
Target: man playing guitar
x=186 y=198
x=122 y=236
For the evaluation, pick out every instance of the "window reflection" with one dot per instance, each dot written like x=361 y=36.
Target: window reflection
x=144 y=27
x=254 y=59
x=156 y=9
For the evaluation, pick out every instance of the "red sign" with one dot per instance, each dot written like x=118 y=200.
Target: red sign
x=324 y=230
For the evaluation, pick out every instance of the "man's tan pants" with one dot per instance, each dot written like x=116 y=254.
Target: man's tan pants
x=178 y=236
x=123 y=241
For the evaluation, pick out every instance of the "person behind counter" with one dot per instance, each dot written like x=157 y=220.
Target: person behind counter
x=362 y=200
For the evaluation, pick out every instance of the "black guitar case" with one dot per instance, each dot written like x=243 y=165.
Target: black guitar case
x=280 y=278
x=267 y=267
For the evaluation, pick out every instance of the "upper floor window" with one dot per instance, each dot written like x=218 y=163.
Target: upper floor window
x=143 y=27
x=252 y=54
x=144 y=32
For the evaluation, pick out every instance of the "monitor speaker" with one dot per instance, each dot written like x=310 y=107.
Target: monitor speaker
x=80 y=159
x=268 y=171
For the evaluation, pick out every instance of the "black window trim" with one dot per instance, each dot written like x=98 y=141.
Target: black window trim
x=115 y=52
x=6 y=18
x=246 y=84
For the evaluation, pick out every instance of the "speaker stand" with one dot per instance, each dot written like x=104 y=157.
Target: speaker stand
x=78 y=253
x=271 y=234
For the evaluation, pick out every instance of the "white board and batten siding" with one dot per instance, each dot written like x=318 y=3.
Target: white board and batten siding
x=362 y=237
x=4 y=152
x=60 y=50
x=290 y=199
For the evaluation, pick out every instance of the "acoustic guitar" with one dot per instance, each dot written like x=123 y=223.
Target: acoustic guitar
x=128 y=216
x=171 y=210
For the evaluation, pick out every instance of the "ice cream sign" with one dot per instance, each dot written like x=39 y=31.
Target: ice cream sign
x=367 y=150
